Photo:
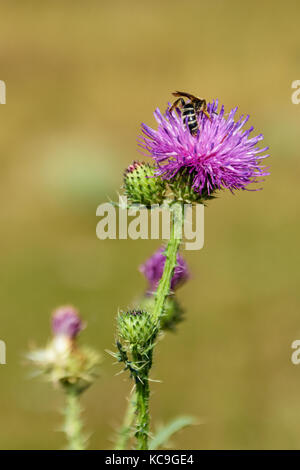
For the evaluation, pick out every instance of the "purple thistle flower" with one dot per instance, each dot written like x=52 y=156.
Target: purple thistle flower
x=221 y=154
x=66 y=322
x=153 y=270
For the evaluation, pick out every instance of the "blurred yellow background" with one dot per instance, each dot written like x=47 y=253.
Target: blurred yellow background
x=80 y=77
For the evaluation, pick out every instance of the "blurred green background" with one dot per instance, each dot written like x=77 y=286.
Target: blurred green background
x=80 y=77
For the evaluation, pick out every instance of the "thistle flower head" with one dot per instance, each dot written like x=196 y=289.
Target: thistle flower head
x=222 y=155
x=153 y=270
x=66 y=322
x=142 y=186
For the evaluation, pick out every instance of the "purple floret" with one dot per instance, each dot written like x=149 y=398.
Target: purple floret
x=66 y=321
x=153 y=270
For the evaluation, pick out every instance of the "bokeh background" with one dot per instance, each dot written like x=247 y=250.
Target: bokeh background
x=81 y=76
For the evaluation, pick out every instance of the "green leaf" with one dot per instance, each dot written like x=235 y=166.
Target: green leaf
x=167 y=431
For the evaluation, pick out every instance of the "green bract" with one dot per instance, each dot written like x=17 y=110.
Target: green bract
x=136 y=328
x=66 y=363
x=172 y=313
x=181 y=186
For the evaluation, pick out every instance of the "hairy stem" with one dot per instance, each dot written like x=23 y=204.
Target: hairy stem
x=73 y=424
x=163 y=290
x=125 y=431
x=171 y=251
x=142 y=412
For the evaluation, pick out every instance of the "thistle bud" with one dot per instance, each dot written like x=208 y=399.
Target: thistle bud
x=172 y=313
x=136 y=327
x=153 y=270
x=181 y=186
x=142 y=186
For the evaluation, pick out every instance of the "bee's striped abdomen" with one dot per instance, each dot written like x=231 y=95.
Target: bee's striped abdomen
x=188 y=111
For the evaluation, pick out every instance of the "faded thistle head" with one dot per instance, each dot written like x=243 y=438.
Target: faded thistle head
x=63 y=360
x=142 y=186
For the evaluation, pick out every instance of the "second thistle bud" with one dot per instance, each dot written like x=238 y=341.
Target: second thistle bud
x=172 y=312
x=142 y=186
x=136 y=328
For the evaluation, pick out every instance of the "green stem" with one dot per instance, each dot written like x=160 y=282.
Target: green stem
x=73 y=424
x=142 y=413
x=163 y=289
x=125 y=431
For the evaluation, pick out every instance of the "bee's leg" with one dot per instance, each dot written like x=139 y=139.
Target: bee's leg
x=176 y=103
x=206 y=114
x=204 y=110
